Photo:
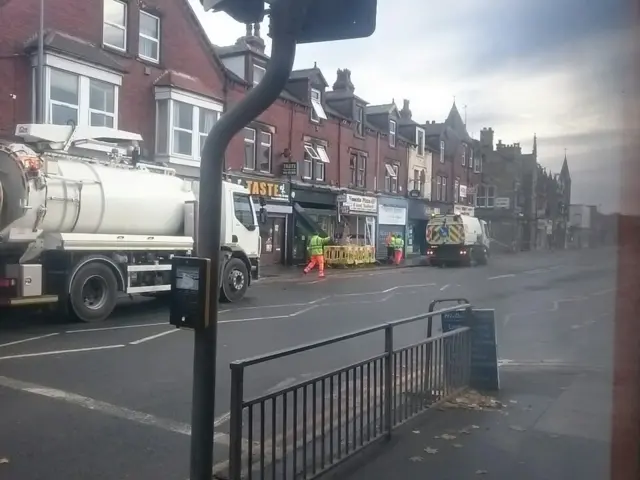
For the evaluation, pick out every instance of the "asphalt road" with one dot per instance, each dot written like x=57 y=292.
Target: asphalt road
x=112 y=401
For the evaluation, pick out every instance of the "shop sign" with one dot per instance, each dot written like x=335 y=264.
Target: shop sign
x=502 y=202
x=463 y=191
x=269 y=190
x=388 y=215
x=290 y=169
x=360 y=203
x=463 y=210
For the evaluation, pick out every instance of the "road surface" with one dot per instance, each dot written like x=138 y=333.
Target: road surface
x=112 y=401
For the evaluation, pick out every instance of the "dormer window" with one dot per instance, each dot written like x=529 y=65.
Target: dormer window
x=420 y=141
x=392 y=133
x=360 y=120
x=258 y=74
x=317 y=112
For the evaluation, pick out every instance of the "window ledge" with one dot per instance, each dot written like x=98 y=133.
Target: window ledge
x=178 y=160
x=117 y=51
x=150 y=63
x=257 y=173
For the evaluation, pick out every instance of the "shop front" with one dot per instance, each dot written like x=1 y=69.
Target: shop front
x=418 y=218
x=314 y=210
x=392 y=218
x=358 y=215
x=273 y=231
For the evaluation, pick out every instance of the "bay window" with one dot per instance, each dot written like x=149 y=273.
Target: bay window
x=78 y=94
x=183 y=122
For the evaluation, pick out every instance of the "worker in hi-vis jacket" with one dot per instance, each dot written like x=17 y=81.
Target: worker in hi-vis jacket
x=316 y=252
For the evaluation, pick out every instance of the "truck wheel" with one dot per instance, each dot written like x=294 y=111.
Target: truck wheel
x=235 y=280
x=93 y=293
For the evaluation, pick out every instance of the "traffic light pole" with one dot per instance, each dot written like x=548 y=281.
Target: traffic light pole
x=286 y=19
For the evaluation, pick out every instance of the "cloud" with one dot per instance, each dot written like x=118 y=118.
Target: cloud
x=558 y=68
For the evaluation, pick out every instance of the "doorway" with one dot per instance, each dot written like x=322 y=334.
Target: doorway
x=272 y=238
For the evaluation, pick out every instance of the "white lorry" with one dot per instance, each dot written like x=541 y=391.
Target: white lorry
x=79 y=230
x=457 y=239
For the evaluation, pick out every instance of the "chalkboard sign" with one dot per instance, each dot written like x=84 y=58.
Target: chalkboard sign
x=484 y=345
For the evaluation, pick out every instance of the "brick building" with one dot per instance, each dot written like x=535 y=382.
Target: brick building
x=457 y=164
x=114 y=63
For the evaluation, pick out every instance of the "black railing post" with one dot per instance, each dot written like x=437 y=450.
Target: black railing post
x=388 y=379
x=235 y=431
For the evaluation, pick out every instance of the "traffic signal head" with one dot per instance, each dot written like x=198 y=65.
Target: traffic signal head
x=325 y=20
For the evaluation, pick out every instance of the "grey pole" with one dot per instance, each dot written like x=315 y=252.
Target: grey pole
x=286 y=20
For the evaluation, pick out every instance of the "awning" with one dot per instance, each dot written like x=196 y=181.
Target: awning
x=306 y=222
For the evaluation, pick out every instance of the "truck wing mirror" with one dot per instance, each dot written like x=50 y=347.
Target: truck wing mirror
x=252 y=228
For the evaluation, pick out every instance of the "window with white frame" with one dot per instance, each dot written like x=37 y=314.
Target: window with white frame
x=358 y=167
x=417 y=180
x=438 y=188
x=257 y=150
x=456 y=190
x=250 y=148
x=101 y=104
x=464 y=155
x=360 y=120
x=444 y=189
x=314 y=162
x=477 y=167
x=114 y=29
x=391 y=177
x=149 y=41
x=317 y=111
x=485 y=196
x=420 y=141
x=258 y=72
x=78 y=99
x=206 y=120
x=264 y=152
x=392 y=133
x=183 y=123
x=441 y=151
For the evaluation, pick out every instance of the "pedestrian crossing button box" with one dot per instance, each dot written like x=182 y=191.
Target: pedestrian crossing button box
x=189 y=302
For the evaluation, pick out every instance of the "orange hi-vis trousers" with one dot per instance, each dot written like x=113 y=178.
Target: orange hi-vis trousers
x=316 y=260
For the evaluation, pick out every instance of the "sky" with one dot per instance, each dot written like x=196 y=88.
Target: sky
x=556 y=68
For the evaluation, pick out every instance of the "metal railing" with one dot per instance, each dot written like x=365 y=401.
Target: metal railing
x=304 y=430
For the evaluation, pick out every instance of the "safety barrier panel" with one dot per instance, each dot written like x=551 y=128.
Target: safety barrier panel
x=348 y=255
x=304 y=430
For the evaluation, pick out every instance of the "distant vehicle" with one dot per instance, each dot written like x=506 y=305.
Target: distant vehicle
x=457 y=240
x=82 y=220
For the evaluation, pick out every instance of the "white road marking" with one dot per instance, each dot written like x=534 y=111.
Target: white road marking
x=60 y=352
x=445 y=287
x=153 y=337
x=282 y=305
x=254 y=319
x=536 y=271
x=31 y=339
x=120 y=327
x=603 y=292
x=304 y=310
x=508 y=275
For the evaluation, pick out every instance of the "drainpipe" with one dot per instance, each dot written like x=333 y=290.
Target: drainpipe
x=40 y=83
x=340 y=153
x=375 y=178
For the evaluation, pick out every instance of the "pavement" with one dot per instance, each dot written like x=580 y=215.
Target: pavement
x=112 y=401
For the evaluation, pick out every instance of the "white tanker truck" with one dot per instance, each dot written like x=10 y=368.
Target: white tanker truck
x=79 y=230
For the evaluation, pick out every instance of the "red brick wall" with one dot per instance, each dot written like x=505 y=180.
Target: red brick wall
x=291 y=123
x=182 y=48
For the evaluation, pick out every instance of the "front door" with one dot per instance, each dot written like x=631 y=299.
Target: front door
x=272 y=238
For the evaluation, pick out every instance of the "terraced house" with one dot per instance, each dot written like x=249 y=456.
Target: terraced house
x=122 y=65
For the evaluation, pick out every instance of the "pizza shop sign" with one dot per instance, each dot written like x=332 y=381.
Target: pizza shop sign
x=269 y=190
